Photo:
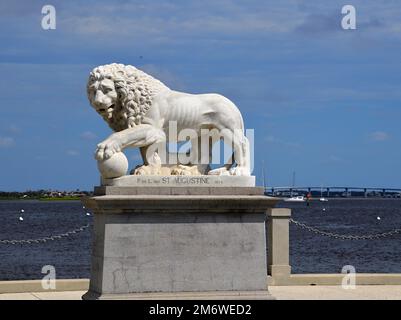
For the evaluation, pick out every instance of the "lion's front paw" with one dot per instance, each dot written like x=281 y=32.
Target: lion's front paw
x=107 y=148
x=185 y=170
x=181 y=170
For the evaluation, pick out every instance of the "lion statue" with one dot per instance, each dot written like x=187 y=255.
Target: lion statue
x=140 y=110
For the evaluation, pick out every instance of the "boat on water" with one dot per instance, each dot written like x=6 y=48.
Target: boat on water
x=322 y=199
x=295 y=199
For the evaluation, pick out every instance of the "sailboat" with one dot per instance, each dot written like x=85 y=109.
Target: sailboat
x=322 y=199
x=296 y=198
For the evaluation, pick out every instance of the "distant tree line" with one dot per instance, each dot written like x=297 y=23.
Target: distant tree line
x=35 y=194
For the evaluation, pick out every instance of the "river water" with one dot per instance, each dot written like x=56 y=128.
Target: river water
x=309 y=253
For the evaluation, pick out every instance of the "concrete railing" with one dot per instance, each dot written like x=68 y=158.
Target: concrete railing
x=278 y=241
x=278 y=259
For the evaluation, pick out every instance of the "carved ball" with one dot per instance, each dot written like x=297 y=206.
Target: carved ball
x=114 y=167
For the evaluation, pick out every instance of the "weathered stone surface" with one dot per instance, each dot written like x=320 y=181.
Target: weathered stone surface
x=177 y=252
x=113 y=167
x=206 y=295
x=111 y=190
x=178 y=243
x=179 y=204
x=181 y=181
x=147 y=114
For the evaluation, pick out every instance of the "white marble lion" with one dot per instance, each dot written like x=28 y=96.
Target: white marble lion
x=139 y=108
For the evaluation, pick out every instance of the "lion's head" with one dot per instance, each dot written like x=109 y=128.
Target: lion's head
x=122 y=94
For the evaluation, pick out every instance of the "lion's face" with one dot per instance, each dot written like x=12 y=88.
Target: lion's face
x=122 y=94
x=103 y=96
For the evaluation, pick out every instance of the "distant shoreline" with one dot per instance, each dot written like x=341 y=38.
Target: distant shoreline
x=41 y=199
x=79 y=198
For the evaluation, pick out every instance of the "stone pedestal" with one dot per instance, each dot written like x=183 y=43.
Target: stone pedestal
x=178 y=240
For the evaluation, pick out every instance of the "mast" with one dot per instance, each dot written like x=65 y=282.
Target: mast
x=293 y=182
x=263 y=175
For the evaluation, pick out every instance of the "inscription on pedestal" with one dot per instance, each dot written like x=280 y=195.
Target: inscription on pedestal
x=181 y=181
x=196 y=181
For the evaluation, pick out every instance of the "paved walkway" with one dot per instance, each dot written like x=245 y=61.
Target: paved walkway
x=383 y=292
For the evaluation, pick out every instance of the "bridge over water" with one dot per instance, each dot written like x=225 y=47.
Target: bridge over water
x=335 y=191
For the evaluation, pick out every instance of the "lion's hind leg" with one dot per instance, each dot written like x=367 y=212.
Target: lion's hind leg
x=228 y=137
x=241 y=156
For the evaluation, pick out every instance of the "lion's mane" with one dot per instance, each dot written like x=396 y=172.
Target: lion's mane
x=135 y=90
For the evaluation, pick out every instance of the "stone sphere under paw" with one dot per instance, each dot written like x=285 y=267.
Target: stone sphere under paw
x=114 y=167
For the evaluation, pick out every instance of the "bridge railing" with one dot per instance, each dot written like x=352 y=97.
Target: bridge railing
x=331 y=192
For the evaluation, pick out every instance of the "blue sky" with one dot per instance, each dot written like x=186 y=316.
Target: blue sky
x=324 y=102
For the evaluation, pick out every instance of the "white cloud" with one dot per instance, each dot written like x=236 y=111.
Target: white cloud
x=169 y=21
x=88 y=135
x=379 y=136
x=13 y=129
x=172 y=21
x=40 y=157
x=72 y=153
x=272 y=139
x=334 y=158
x=6 y=142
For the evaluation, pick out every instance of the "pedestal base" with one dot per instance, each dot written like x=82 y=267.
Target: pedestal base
x=210 y=295
x=178 y=243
